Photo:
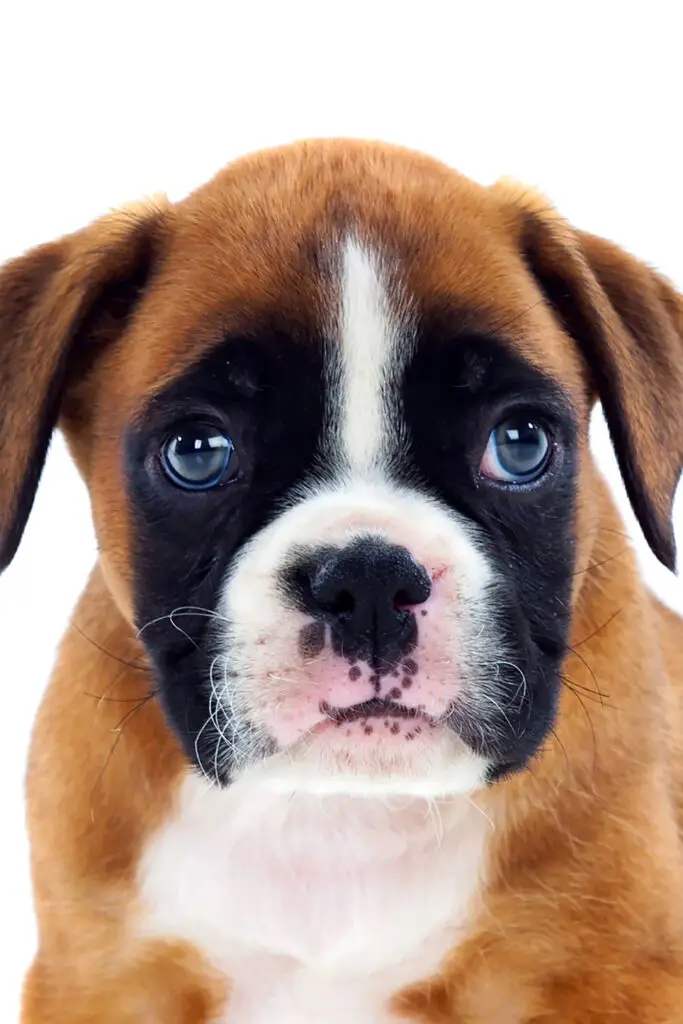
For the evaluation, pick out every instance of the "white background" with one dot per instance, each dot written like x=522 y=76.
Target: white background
x=103 y=103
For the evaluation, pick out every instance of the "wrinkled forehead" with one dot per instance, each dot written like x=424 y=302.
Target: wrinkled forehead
x=291 y=244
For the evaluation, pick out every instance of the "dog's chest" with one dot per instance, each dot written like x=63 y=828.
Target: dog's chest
x=315 y=909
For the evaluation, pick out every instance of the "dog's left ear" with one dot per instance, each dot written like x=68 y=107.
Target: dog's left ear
x=628 y=322
x=59 y=304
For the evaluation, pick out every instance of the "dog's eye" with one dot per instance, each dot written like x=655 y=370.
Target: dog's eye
x=517 y=452
x=197 y=457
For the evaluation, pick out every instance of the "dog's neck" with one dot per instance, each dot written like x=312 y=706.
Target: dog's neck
x=340 y=901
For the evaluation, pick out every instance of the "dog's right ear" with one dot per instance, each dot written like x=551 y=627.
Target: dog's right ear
x=58 y=305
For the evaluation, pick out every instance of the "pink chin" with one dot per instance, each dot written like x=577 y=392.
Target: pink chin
x=318 y=708
x=424 y=681
x=330 y=726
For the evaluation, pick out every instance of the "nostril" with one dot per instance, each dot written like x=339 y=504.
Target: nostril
x=301 y=583
x=342 y=603
x=366 y=590
x=412 y=593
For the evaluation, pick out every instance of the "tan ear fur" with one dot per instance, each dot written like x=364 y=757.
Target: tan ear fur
x=628 y=322
x=58 y=304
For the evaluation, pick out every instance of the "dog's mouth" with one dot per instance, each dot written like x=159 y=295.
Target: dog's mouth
x=375 y=708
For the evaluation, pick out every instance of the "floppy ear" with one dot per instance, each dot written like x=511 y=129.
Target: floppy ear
x=58 y=305
x=628 y=322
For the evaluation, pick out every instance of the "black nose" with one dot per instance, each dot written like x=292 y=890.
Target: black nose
x=366 y=591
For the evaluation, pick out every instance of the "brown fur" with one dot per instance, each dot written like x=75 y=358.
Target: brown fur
x=583 y=918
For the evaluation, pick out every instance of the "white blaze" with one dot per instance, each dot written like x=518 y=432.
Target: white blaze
x=369 y=358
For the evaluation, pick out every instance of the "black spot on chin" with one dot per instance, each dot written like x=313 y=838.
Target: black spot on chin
x=354 y=673
x=311 y=640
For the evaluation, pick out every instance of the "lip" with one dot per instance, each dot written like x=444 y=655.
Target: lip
x=375 y=708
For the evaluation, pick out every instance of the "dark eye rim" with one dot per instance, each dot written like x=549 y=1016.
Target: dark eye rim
x=552 y=459
x=211 y=484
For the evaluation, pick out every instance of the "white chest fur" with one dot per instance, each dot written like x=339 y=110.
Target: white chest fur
x=318 y=909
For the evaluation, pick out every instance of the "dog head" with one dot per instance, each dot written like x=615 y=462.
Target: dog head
x=332 y=410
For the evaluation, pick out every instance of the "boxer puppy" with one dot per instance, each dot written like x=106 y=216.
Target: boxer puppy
x=365 y=714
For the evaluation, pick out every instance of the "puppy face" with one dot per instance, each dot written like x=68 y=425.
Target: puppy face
x=352 y=522
x=332 y=410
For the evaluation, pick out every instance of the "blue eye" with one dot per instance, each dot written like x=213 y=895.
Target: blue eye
x=197 y=457
x=518 y=451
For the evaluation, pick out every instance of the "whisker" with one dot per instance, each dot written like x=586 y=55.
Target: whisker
x=564 y=751
x=118 y=730
x=436 y=820
x=591 y=672
x=617 y=533
x=103 y=650
x=595 y=632
x=198 y=756
x=598 y=565
x=495 y=703
x=103 y=699
x=590 y=723
x=597 y=696
x=481 y=810
x=522 y=684
x=182 y=610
